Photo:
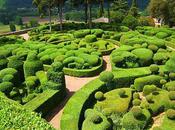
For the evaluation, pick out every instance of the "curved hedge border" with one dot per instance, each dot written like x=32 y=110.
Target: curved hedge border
x=73 y=113
x=81 y=73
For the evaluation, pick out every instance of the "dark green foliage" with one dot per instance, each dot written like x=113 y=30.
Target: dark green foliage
x=99 y=96
x=3 y=63
x=171 y=114
x=52 y=85
x=90 y=38
x=32 y=82
x=57 y=66
x=163 y=81
x=172 y=95
x=139 y=83
x=130 y=21
x=46 y=59
x=81 y=33
x=154 y=69
x=32 y=65
x=12 y=27
x=6 y=87
x=106 y=76
x=29 y=98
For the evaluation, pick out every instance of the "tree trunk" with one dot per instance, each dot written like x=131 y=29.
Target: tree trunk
x=50 y=20
x=86 y=11
x=89 y=15
x=109 y=15
x=101 y=8
x=61 y=15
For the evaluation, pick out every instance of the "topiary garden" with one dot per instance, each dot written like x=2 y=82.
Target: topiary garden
x=140 y=86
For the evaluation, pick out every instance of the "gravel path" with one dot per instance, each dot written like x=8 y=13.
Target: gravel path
x=73 y=84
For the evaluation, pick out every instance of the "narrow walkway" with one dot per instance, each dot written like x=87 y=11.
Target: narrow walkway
x=73 y=84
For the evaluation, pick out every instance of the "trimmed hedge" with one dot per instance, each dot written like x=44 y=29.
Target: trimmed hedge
x=45 y=101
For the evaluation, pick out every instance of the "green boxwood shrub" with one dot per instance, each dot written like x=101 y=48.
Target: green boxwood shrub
x=3 y=63
x=170 y=86
x=171 y=114
x=154 y=48
x=106 y=76
x=144 y=55
x=32 y=82
x=136 y=102
x=90 y=38
x=139 y=83
x=170 y=64
x=172 y=76
x=162 y=35
x=137 y=112
x=122 y=93
x=99 y=96
x=32 y=65
x=171 y=95
x=154 y=69
x=160 y=58
x=136 y=96
x=149 y=89
x=6 y=87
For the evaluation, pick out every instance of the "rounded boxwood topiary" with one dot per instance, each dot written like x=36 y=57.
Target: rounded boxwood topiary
x=106 y=76
x=149 y=98
x=149 y=89
x=154 y=69
x=172 y=76
x=152 y=47
x=8 y=78
x=169 y=66
x=46 y=59
x=57 y=66
x=3 y=63
x=32 y=82
x=52 y=85
x=136 y=96
x=99 y=96
x=117 y=59
x=90 y=38
x=137 y=112
x=6 y=87
x=163 y=81
x=136 y=102
x=144 y=55
x=32 y=65
x=171 y=95
x=170 y=114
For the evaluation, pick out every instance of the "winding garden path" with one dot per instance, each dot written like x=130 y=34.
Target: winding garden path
x=73 y=84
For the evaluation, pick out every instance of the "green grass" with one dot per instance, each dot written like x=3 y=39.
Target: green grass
x=6 y=28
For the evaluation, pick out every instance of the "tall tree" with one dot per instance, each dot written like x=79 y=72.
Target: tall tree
x=159 y=9
x=89 y=6
x=101 y=2
x=60 y=4
x=134 y=9
x=45 y=5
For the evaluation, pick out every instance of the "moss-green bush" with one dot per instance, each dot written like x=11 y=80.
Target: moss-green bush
x=154 y=48
x=162 y=35
x=136 y=102
x=90 y=38
x=6 y=87
x=32 y=65
x=170 y=86
x=144 y=55
x=172 y=95
x=170 y=64
x=160 y=58
x=149 y=89
x=99 y=96
x=139 y=83
x=170 y=114
x=32 y=82
x=106 y=76
x=154 y=69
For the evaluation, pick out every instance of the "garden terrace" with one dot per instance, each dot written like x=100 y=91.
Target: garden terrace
x=129 y=95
